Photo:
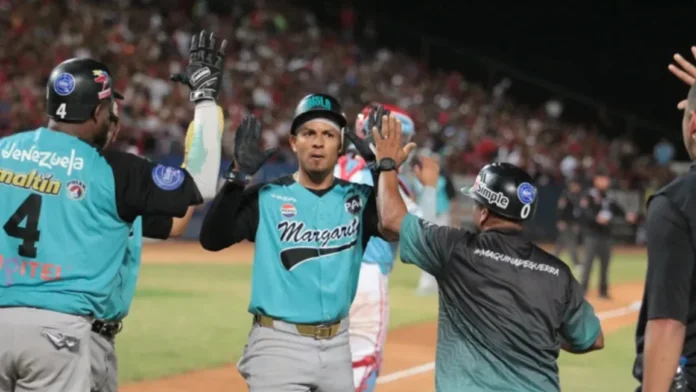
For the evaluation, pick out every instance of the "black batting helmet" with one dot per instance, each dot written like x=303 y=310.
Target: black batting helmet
x=76 y=87
x=506 y=190
x=318 y=106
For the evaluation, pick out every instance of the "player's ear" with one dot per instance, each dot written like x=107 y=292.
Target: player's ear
x=483 y=215
x=692 y=123
x=101 y=111
x=293 y=140
x=341 y=143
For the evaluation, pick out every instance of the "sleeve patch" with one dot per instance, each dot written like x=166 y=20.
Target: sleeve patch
x=167 y=178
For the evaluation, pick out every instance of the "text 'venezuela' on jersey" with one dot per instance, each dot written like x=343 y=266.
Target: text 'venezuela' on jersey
x=65 y=218
x=309 y=244
x=503 y=302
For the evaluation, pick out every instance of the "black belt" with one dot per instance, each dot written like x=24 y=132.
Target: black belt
x=107 y=329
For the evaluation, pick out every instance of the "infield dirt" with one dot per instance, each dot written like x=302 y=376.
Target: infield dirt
x=406 y=348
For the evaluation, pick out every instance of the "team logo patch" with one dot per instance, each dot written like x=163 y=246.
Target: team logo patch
x=526 y=192
x=76 y=189
x=288 y=210
x=353 y=205
x=317 y=101
x=64 y=84
x=167 y=178
x=102 y=77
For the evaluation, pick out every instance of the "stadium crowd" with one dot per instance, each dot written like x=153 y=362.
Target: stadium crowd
x=278 y=53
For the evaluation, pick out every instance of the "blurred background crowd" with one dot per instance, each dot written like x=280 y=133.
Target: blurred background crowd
x=278 y=53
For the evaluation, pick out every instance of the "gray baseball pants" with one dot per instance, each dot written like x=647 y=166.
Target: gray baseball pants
x=42 y=350
x=104 y=364
x=280 y=360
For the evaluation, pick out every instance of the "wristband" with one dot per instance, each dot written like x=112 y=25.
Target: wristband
x=237 y=177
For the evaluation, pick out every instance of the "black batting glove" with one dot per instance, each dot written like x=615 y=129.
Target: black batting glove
x=247 y=156
x=203 y=75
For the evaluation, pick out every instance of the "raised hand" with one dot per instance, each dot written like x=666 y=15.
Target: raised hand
x=685 y=71
x=388 y=140
x=203 y=74
x=248 y=156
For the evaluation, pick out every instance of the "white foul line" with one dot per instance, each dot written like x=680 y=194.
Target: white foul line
x=609 y=314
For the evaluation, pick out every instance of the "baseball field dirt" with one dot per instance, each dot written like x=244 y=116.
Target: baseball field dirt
x=410 y=350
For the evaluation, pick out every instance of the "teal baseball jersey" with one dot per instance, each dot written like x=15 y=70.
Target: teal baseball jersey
x=378 y=251
x=66 y=215
x=120 y=302
x=156 y=227
x=504 y=305
x=309 y=244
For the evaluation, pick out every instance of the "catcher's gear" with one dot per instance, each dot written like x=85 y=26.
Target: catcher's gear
x=247 y=155
x=76 y=87
x=203 y=75
x=506 y=190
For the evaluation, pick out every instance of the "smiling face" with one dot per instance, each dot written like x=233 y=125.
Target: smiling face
x=317 y=144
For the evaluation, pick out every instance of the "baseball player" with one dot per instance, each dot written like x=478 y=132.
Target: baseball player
x=204 y=92
x=311 y=230
x=67 y=210
x=506 y=306
x=369 y=314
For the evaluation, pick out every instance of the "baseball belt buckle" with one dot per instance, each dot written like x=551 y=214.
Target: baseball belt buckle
x=109 y=329
x=325 y=331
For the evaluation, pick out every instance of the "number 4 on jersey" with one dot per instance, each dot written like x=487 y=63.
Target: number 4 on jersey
x=29 y=234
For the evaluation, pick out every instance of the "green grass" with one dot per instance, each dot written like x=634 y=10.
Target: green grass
x=194 y=316
x=622 y=269
x=608 y=370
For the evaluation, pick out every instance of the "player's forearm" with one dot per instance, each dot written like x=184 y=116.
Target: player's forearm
x=179 y=225
x=390 y=206
x=664 y=341
x=216 y=233
x=428 y=203
x=203 y=147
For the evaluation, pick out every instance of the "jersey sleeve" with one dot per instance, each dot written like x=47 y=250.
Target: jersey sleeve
x=370 y=220
x=233 y=217
x=157 y=227
x=426 y=244
x=580 y=327
x=145 y=188
x=670 y=262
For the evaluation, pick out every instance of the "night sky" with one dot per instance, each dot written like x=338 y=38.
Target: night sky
x=614 y=51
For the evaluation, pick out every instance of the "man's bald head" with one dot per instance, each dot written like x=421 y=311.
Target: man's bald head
x=689 y=123
x=691 y=99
